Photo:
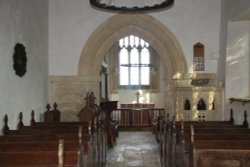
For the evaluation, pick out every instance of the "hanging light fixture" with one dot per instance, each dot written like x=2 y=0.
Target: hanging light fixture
x=131 y=5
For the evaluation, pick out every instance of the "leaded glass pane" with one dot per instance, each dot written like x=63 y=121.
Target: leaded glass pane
x=131 y=40
x=136 y=41
x=145 y=58
x=134 y=76
x=126 y=42
x=134 y=61
x=145 y=76
x=123 y=56
x=124 y=79
x=134 y=56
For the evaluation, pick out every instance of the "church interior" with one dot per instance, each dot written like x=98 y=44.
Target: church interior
x=163 y=71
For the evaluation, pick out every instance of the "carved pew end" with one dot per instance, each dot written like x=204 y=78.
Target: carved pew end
x=20 y=123
x=5 y=126
x=32 y=120
x=245 y=122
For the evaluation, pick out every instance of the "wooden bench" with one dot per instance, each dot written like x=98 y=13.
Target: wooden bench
x=40 y=150
x=40 y=141
x=215 y=151
x=94 y=151
x=175 y=138
x=40 y=154
x=171 y=136
x=36 y=146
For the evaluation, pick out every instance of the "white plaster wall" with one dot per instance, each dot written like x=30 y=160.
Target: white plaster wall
x=230 y=10
x=237 y=67
x=237 y=59
x=234 y=43
x=72 y=22
x=25 y=22
x=70 y=25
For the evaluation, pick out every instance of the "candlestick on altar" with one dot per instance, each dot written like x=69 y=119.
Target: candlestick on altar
x=137 y=96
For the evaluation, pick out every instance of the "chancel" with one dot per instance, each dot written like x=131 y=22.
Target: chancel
x=91 y=82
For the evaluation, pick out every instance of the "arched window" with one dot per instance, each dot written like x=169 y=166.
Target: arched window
x=134 y=62
x=199 y=59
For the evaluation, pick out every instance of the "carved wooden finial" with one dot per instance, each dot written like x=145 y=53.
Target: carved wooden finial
x=55 y=105
x=87 y=96
x=60 y=153
x=5 y=126
x=20 y=123
x=5 y=119
x=91 y=95
x=32 y=120
x=48 y=115
x=48 y=107
x=245 y=122
x=231 y=120
x=56 y=113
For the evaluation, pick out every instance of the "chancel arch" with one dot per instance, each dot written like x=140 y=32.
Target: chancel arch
x=144 y=26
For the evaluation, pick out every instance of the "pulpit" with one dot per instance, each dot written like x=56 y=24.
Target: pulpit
x=198 y=98
x=112 y=126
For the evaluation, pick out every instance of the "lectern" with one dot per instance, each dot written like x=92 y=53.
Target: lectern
x=108 y=107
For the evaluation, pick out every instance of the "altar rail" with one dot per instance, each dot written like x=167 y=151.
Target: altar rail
x=142 y=117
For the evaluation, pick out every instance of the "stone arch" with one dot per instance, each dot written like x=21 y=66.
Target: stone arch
x=142 y=25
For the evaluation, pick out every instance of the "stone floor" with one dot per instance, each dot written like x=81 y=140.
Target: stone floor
x=134 y=149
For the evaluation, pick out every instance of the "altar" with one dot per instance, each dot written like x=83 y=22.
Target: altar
x=138 y=105
x=136 y=115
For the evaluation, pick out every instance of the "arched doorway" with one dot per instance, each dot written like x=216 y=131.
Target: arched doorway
x=144 y=26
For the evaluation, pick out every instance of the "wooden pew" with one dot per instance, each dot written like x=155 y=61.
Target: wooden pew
x=175 y=138
x=218 y=152
x=44 y=139
x=31 y=159
x=68 y=131
x=96 y=134
x=52 y=115
x=220 y=135
x=91 y=152
x=34 y=154
x=173 y=141
x=40 y=138
x=39 y=154
x=36 y=146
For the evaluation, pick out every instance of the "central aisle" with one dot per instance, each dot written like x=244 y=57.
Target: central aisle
x=134 y=149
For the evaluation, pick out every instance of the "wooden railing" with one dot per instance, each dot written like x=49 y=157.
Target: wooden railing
x=141 y=117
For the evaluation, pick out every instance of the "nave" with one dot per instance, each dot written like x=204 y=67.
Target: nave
x=134 y=149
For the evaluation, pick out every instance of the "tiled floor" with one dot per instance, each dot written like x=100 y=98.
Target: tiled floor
x=134 y=149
